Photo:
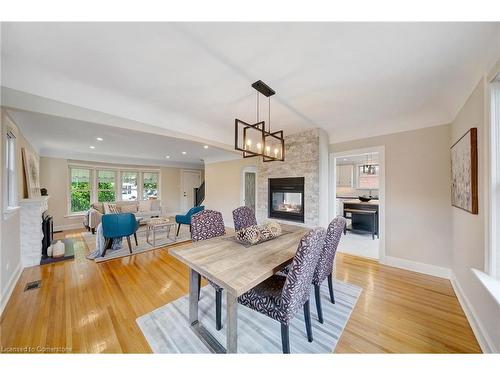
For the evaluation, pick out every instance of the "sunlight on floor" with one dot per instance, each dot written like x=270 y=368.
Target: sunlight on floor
x=360 y=245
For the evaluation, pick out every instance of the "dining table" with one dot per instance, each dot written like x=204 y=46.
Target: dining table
x=237 y=268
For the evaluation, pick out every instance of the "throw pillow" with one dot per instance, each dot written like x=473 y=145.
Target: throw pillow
x=144 y=206
x=98 y=207
x=111 y=208
x=129 y=208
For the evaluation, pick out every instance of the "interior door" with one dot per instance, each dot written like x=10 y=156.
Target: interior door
x=250 y=190
x=190 y=180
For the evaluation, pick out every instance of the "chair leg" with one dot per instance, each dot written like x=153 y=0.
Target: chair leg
x=218 y=310
x=318 y=302
x=285 y=338
x=178 y=229
x=107 y=245
x=135 y=238
x=330 y=287
x=129 y=244
x=307 y=318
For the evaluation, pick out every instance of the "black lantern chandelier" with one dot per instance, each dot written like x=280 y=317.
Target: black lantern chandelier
x=254 y=139
x=369 y=167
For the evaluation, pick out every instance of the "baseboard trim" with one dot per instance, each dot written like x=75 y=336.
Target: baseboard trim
x=10 y=287
x=410 y=265
x=481 y=334
x=68 y=227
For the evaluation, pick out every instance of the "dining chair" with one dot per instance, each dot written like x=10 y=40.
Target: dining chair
x=205 y=225
x=281 y=297
x=325 y=267
x=243 y=217
x=118 y=226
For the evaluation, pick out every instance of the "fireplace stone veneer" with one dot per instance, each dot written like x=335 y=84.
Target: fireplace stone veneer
x=306 y=156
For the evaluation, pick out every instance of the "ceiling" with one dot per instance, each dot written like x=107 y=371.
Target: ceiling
x=71 y=139
x=355 y=80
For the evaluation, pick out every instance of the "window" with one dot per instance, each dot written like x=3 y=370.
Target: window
x=10 y=171
x=106 y=186
x=129 y=186
x=494 y=255
x=80 y=180
x=149 y=185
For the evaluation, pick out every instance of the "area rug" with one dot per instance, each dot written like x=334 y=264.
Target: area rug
x=167 y=329
x=161 y=240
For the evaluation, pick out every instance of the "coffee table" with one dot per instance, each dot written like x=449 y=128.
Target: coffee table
x=156 y=224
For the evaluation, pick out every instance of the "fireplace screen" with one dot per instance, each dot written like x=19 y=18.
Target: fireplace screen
x=286 y=198
x=287 y=202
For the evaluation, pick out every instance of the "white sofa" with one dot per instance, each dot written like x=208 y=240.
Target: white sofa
x=145 y=209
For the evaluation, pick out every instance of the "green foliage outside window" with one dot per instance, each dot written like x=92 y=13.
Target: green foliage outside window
x=80 y=189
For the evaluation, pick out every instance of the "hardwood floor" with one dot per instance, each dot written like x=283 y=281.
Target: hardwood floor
x=89 y=307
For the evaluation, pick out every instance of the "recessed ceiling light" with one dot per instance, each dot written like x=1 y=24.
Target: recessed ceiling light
x=100 y=139
x=184 y=152
x=92 y=147
x=168 y=156
x=205 y=147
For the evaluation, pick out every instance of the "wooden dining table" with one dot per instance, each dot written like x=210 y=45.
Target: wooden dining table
x=237 y=268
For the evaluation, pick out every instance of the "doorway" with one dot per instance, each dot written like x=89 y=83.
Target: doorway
x=248 y=191
x=190 y=179
x=358 y=188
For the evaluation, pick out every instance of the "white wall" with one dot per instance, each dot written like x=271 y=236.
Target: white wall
x=10 y=241
x=469 y=231
x=223 y=186
x=417 y=192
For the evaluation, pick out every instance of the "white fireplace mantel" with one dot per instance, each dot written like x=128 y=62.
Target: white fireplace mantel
x=31 y=229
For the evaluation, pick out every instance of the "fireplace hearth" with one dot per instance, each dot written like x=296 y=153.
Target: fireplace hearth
x=286 y=198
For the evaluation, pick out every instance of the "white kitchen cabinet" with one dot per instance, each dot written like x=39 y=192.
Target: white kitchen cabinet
x=345 y=175
x=339 y=207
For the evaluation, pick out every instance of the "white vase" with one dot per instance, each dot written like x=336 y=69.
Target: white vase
x=58 y=249
x=49 y=251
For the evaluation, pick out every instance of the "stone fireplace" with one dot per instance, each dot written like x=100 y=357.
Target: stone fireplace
x=306 y=159
x=31 y=220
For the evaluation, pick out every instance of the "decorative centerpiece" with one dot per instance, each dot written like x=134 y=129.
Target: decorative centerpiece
x=255 y=234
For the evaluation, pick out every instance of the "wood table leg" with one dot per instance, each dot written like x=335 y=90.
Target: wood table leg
x=193 y=296
x=232 y=324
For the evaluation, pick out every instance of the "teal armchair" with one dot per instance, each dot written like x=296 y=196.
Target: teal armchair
x=186 y=219
x=118 y=226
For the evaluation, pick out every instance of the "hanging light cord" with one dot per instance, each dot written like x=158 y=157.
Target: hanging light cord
x=269 y=114
x=257 y=106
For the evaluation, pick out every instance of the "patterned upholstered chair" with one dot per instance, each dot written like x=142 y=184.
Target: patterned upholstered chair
x=326 y=263
x=281 y=297
x=243 y=217
x=205 y=225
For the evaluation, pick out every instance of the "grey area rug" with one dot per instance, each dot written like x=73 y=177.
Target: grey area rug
x=167 y=329
x=161 y=240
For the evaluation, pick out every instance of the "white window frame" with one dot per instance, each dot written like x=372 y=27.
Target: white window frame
x=118 y=186
x=92 y=185
x=142 y=184
x=95 y=189
x=493 y=261
x=9 y=171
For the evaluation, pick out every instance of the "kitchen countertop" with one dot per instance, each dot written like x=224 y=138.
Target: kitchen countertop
x=356 y=197
x=372 y=202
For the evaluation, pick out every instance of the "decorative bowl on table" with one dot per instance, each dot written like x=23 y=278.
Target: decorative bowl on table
x=364 y=198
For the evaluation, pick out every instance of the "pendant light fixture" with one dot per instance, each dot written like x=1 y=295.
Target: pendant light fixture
x=369 y=167
x=254 y=139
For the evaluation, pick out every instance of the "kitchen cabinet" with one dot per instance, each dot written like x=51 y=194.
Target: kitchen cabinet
x=345 y=175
